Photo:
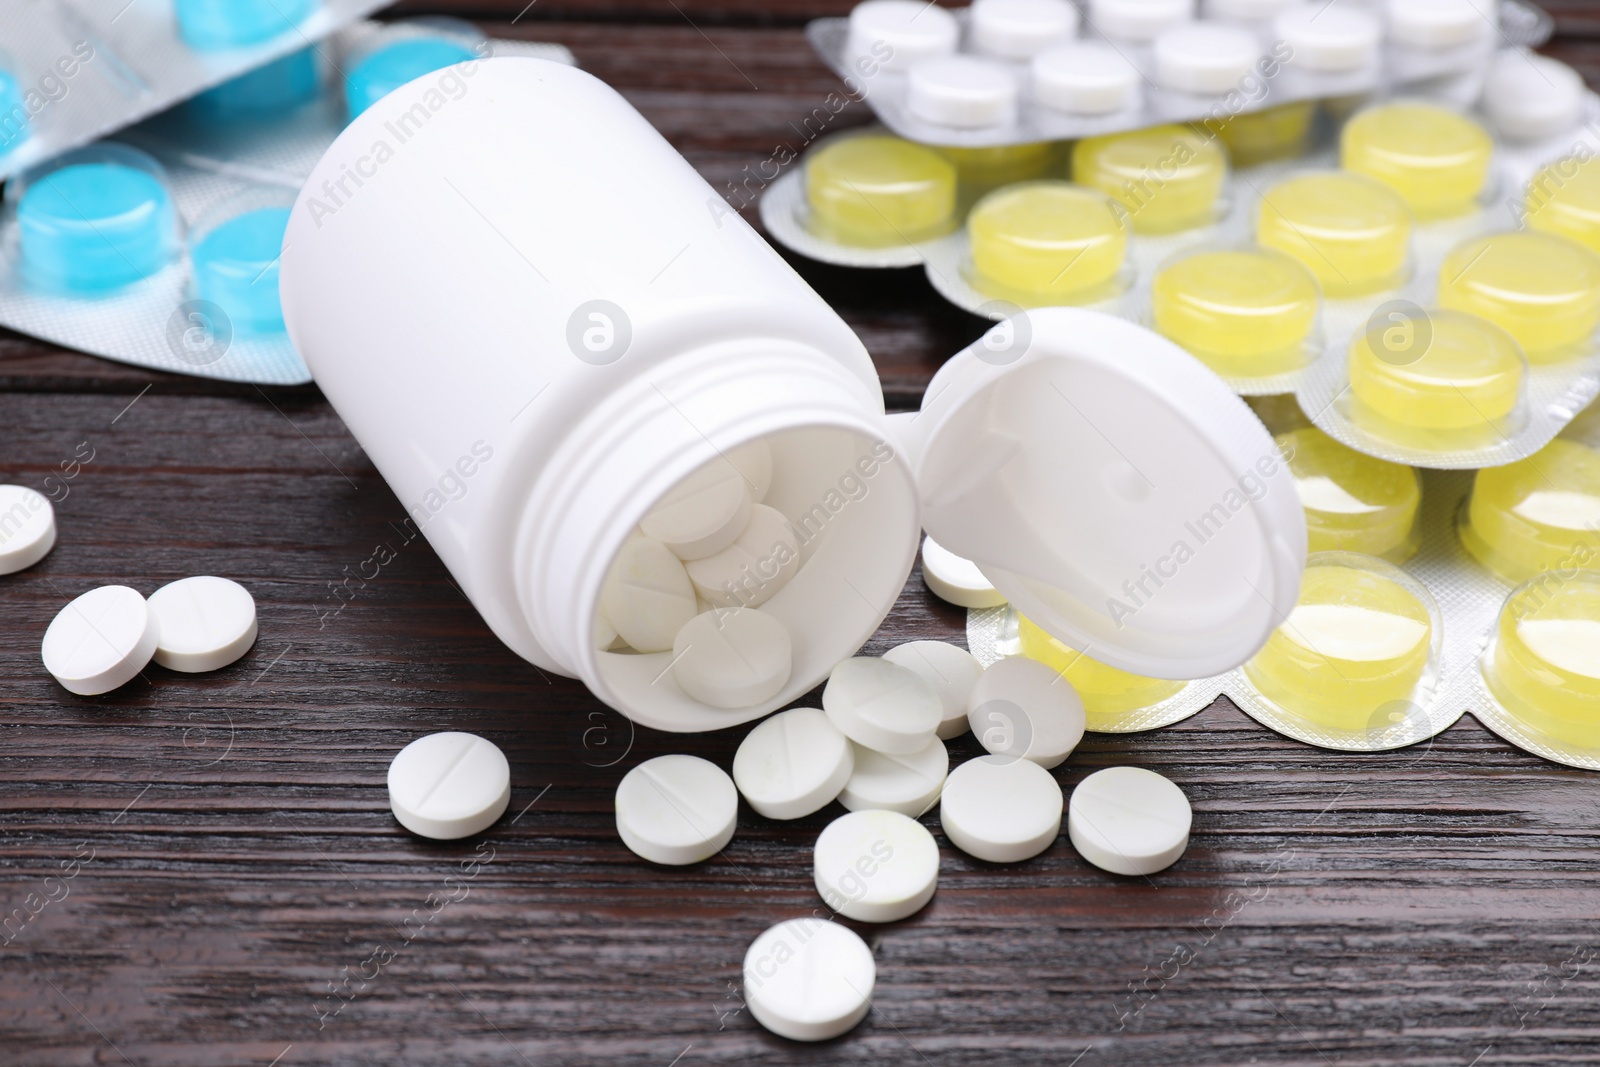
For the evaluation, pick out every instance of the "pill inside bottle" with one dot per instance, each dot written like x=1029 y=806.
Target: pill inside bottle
x=96 y=225
x=1439 y=378
x=1564 y=198
x=1039 y=242
x=1542 y=289
x=1353 y=502
x=1108 y=694
x=1350 y=231
x=1545 y=662
x=876 y=191
x=1538 y=514
x=1245 y=312
x=1169 y=178
x=1357 y=645
x=1436 y=159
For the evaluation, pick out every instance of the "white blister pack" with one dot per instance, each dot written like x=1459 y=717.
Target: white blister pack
x=72 y=72
x=161 y=249
x=1006 y=72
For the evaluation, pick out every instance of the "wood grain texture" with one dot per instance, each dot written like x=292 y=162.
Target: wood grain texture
x=240 y=894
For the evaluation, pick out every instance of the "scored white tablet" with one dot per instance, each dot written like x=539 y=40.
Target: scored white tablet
x=101 y=640
x=809 y=979
x=449 y=785
x=676 y=810
x=206 y=623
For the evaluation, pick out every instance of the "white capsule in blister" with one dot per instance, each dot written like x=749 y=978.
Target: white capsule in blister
x=1020 y=29
x=1138 y=20
x=964 y=92
x=895 y=34
x=1205 y=59
x=1328 y=37
x=1085 y=78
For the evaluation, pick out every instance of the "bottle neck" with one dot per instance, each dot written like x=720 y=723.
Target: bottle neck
x=843 y=486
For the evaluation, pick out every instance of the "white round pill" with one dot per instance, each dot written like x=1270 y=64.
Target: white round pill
x=100 y=640
x=647 y=595
x=1088 y=78
x=882 y=705
x=206 y=623
x=950 y=669
x=809 y=979
x=449 y=785
x=1530 y=97
x=1329 y=37
x=876 y=866
x=27 y=528
x=1024 y=710
x=792 y=764
x=1245 y=10
x=753 y=461
x=895 y=34
x=1128 y=820
x=907 y=784
x=1437 y=24
x=750 y=571
x=1000 y=809
x=1020 y=29
x=955 y=580
x=732 y=657
x=676 y=810
x=1138 y=20
x=962 y=92
x=1205 y=59
x=703 y=513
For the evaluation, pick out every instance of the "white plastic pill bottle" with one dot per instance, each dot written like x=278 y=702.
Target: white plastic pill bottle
x=537 y=318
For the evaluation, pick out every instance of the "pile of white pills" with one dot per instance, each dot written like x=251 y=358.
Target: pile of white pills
x=878 y=747
x=104 y=638
x=691 y=579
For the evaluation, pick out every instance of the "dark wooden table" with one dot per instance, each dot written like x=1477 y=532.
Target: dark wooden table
x=208 y=873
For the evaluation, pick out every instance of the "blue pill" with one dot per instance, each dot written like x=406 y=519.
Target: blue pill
x=13 y=113
x=95 y=226
x=266 y=92
x=236 y=268
x=210 y=25
x=388 y=68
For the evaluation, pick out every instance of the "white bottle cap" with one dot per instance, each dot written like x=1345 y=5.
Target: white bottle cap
x=1138 y=20
x=1530 y=97
x=899 y=33
x=1020 y=29
x=1086 y=78
x=1198 y=540
x=1329 y=38
x=962 y=92
x=1434 y=24
x=1205 y=59
x=1245 y=10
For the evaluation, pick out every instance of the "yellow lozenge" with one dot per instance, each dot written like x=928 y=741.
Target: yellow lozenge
x=980 y=171
x=1040 y=241
x=1108 y=693
x=1436 y=159
x=1356 y=646
x=1353 y=502
x=1564 y=198
x=1542 y=289
x=1537 y=514
x=1254 y=137
x=1168 y=177
x=1442 y=371
x=1243 y=312
x=1545 y=664
x=1352 y=232
x=874 y=191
